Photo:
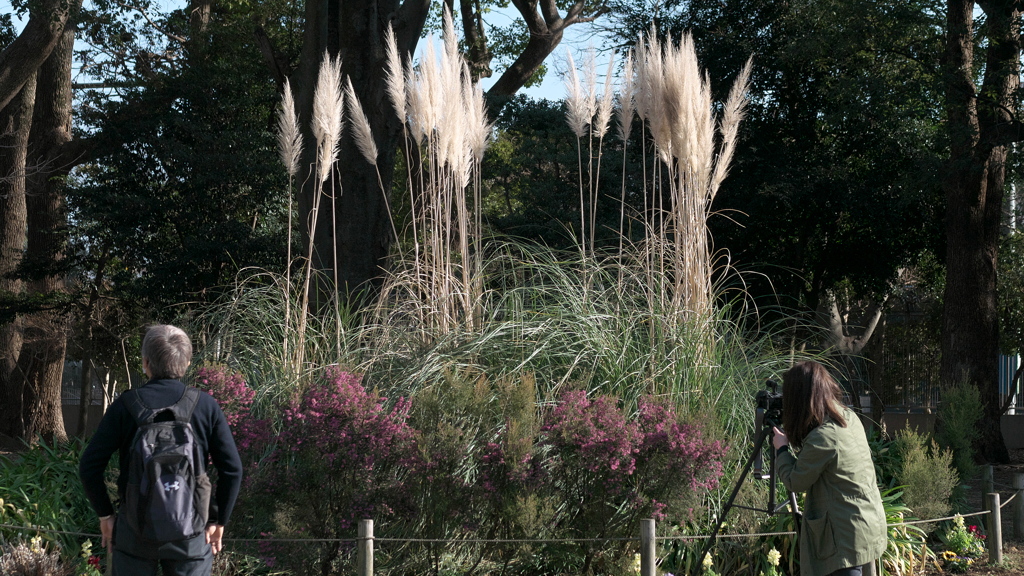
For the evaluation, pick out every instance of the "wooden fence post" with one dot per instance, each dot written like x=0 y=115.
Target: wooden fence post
x=995 y=535
x=364 y=548
x=1018 y=507
x=647 y=548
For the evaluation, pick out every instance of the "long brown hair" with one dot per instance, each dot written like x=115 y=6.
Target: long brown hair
x=809 y=395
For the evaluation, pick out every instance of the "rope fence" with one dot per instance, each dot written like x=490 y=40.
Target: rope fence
x=647 y=533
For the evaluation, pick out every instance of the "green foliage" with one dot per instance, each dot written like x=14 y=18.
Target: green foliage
x=907 y=550
x=531 y=177
x=963 y=543
x=186 y=188
x=926 y=475
x=956 y=428
x=1010 y=293
x=40 y=487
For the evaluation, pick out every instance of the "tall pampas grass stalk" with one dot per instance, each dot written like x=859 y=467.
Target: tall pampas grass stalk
x=672 y=96
x=579 y=117
x=327 y=122
x=365 y=142
x=602 y=119
x=627 y=109
x=289 y=144
x=445 y=117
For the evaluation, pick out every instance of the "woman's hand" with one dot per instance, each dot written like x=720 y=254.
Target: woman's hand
x=779 y=438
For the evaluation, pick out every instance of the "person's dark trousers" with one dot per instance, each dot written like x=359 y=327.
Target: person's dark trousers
x=134 y=556
x=854 y=571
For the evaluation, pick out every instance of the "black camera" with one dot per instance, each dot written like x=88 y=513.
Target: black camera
x=769 y=405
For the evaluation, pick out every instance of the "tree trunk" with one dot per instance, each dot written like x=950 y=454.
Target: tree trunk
x=15 y=121
x=355 y=30
x=21 y=58
x=41 y=362
x=973 y=185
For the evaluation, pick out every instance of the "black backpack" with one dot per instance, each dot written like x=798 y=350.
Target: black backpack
x=168 y=493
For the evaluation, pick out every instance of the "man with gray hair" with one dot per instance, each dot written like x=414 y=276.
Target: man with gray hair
x=165 y=432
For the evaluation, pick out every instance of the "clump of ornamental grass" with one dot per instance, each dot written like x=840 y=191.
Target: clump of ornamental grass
x=444 y=117
x=289 y=145
x=667 y=90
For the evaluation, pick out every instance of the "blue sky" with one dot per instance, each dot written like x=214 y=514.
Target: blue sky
x=552 y=88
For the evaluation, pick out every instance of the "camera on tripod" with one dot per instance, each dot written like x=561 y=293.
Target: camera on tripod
x=769 y=405
x=767 y=414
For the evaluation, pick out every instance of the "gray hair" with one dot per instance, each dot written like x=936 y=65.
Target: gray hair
x=168 y=350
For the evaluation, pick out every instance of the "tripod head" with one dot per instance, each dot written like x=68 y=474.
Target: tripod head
x=767 y=415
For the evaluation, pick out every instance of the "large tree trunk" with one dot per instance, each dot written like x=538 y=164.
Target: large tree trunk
x=41 y=362
x=15 y=121
x=21 y=58
x=355 y=31
x=973 y=185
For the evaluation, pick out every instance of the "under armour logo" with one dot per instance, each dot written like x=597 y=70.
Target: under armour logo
x=168 y=486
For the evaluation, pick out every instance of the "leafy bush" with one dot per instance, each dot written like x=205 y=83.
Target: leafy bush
x=956 y=428
x=40 y=487
x=907 y=549
x=926 y=475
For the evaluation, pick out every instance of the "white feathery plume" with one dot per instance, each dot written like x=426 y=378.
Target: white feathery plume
x=289 y=139
x=328 y=108
x=430 y=86
x=627 y=99
x=360 y=125
x=604 y=106
x=575 y=104
x=395 y=75
x=590 y=83
x=732 y=114
x=476 y=115
x=415 y=102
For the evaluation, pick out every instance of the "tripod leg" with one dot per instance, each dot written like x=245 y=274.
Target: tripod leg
x=758 y=446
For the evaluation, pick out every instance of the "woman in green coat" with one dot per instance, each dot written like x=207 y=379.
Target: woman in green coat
x=843 y=521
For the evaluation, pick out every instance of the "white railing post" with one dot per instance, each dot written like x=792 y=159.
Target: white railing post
x=364 y=548
x=647 y=548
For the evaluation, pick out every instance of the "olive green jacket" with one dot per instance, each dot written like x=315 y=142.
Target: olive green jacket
x=844 y=523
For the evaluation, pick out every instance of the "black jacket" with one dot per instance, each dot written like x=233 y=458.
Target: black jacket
x=117 y=428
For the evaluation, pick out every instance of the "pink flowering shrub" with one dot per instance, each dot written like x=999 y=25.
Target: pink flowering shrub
x=479 y=468
x=229 y=389
x=342 y=455
x=607 y=471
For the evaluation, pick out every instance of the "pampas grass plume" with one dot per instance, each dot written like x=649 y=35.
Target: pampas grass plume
x=328 y=108
x=627 y=98
x=360 y=125
x=289 y=140
x=604 y=106
x=575 y=103
x=395 y=75
x=732 y=114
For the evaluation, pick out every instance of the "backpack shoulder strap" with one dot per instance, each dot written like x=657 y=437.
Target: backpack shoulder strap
x=183 y=408
x=140 y=412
